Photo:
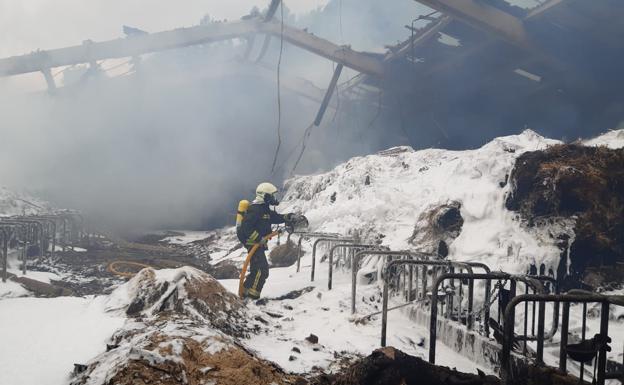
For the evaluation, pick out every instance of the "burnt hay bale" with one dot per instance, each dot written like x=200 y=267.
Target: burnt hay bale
x=574 y=180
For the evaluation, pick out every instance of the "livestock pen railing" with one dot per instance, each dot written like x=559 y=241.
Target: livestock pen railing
x=38 y=234
x=352 y=247
x=587 y=350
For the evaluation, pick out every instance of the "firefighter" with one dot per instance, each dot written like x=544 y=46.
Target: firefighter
x=256 y=224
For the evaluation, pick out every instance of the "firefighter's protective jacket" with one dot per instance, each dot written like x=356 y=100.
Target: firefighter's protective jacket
x=257 y=223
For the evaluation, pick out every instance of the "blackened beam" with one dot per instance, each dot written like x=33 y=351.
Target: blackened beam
x=184 y=37
x=500 y=25
x=485 y=17
x=419 y=38
x=328 y=95
x=272 y=9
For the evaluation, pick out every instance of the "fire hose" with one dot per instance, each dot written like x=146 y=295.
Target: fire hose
x=112 y=268
x=241 y=287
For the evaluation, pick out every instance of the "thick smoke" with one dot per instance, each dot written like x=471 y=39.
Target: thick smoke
x=178 y=142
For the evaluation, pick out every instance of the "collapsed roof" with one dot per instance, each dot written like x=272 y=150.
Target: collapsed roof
x=476 y=64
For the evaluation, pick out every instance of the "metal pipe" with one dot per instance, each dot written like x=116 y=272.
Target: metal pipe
x=51 y=230
x=571 y=296
x=24 y=256
x=324 y=239
x=512 y=293
x=481 y=265
x=355 y=267
x=37 y=238
x=53 y=221
x=384 y=314
x=434 y=303
x=299 y=252
x=74 y=217
x=342 y=246
x=404 y=275
x=555 y=322
x=410 y=283
x=526 y=322
x=307 y=234
x=5 y=250
x=602 y=353
x=392 y=264
x=486 y=310
x=470 y=318
x=64 y=234
x=424 y=282
x=449 y=297
x=565 y=321
x=583 y=328
x=540 y=332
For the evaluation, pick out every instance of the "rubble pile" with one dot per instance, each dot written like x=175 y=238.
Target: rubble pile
x=389 y=366
x=183 y=328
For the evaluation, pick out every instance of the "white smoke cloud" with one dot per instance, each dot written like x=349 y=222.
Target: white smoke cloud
x=193 y=131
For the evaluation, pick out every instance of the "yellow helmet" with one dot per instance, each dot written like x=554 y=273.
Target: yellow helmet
x=266 y=192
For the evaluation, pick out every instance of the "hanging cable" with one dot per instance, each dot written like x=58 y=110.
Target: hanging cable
x=340 y=21
x=376 y=116
x=321 y=112
x=379 y=103
x=63 y=70
x=115 y=66
x=337 y=105
x=291 y=153
x=279 y=93
x=306 y=136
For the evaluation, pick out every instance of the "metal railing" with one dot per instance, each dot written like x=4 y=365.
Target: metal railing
x=343 y=246
x=488 y=277
x=597 y=348
x=27 y=233
x=552 y=288
x=325 y=239
x=39 y=230
x=418 y=263
x=6 y=231
x=50 y=220
x=381 y=253
x=306 y=234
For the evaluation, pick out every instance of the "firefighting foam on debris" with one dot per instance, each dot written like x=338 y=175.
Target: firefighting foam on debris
x=312 y=192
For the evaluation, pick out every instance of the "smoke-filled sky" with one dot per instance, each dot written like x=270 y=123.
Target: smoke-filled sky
x=43 y=24
x=193 y=131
